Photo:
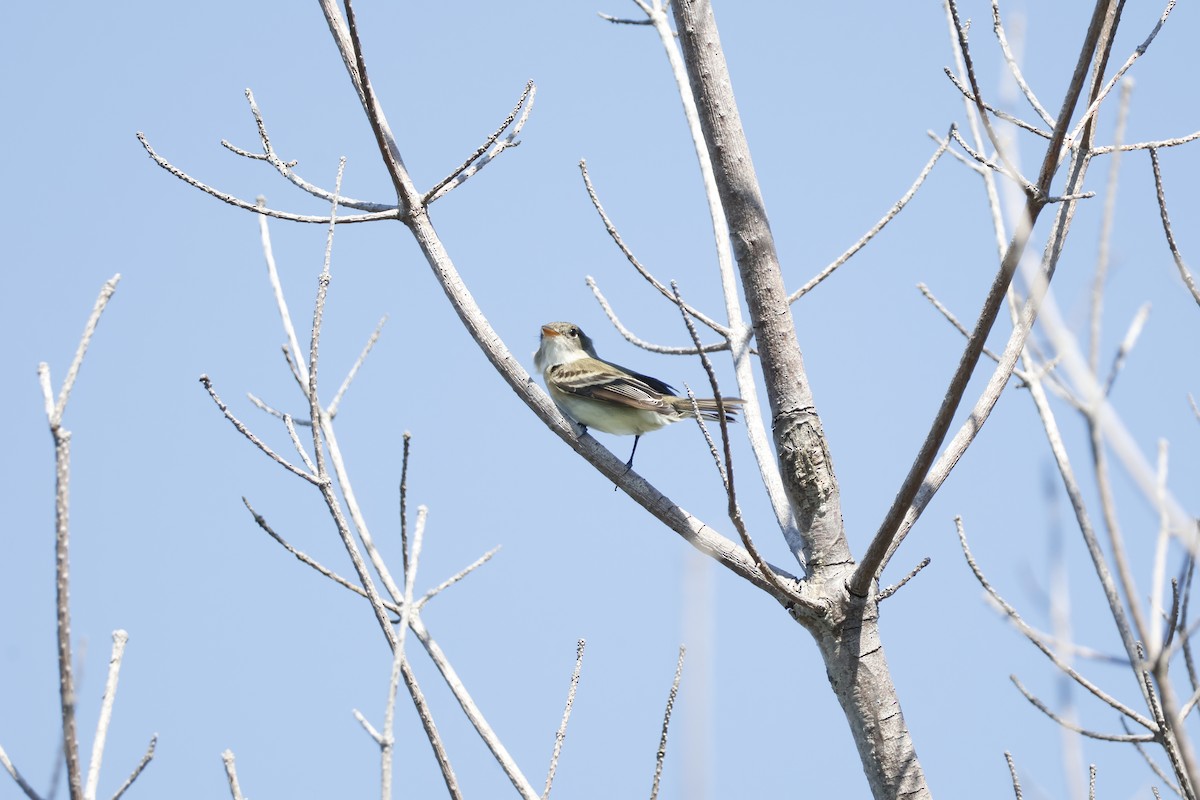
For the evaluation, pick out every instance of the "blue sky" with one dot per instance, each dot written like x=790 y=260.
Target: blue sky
x=234 y=644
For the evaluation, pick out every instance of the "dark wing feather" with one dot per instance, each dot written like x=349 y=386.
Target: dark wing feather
x=589 y=377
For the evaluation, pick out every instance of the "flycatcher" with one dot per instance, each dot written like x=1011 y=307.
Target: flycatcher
x=608 y=397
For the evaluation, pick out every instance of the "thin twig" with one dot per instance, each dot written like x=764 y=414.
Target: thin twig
x=292 y=349
x=1160 y=143
x=304 y=558
x=1131 y=337
x=1009 y=168
x=455 y=578
x=1185 y=639
x=89 y=329
x=661 y=755
x=1116 y=78
x=1184 y=273
x=562 y=727
x=622 y=21
x=876 y=228
x=139 y=769
x=29 y=791
x=637 y=265
x=1106 y=226
x=260 y=444
x=1107 y=737
x=375 y=735
x=712 y=445
x=472 y=712
x=358 y=362
x=231 y=774
x=1159 y=571
x=470 y=167
x=295 y=437
x=891 y=590
x=404 y=501
x=1037 y=642
x=633 y=338
x=248 y=206
x=285 y=168
x=1014 y=68
x=1012 y=772
x=999 y=113
x=735 y=512
x=120 y=639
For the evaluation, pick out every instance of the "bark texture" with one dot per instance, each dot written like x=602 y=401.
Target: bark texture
x=848 y=637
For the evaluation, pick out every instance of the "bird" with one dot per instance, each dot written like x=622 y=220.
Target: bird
x=608 y=397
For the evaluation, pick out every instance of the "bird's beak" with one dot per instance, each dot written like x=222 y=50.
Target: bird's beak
x=548 y=331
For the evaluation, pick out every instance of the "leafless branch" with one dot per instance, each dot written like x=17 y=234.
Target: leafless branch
x=1010 y=169
x=404 y=500
x=922 y=481
x=891 y=590
x=139 y=769
x=375 y=735
x=1014 y=68
x=1037 y=641
x=471 y=710
x=231 y=774
x=662 y=741
x=17 y=777
x=285 y=168
x=562 y=727
x=1184 y=273
x=1159 y=144
x=876 y=228
x=244 y=431
x=1106 y=226
x=1107 y=737
x=1131 y=337
x=1156 y=769
x=304 y=558
x=62 y=504
x=481 y=157
x=1140 y=51
x=1012 y=772
x=456 y=577
x=295 y=437
x=712 y=446
x=120 y=639
x=622 y=21
x=999 y=113
x=255 y=207
x=633 y=338
x=637 y=265
x=337 y=398
x=735 y=512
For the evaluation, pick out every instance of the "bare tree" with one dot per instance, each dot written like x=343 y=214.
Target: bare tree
x=832 y=593
x=834 y=596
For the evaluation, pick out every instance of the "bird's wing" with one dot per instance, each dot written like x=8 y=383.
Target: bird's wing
x=601 y=380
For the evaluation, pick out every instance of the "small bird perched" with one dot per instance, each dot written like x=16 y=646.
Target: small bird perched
x=608 y=397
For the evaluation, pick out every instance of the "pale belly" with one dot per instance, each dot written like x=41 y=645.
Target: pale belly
x=605 y=417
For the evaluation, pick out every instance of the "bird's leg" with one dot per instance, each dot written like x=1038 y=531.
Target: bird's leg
x=629 y=463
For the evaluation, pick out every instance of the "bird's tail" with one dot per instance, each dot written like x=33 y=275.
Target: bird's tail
x=708 y=407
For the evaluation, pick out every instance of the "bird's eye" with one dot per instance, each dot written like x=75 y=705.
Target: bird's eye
x=573 y=332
